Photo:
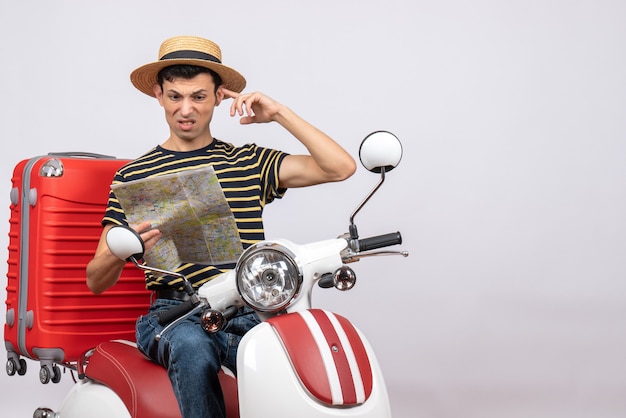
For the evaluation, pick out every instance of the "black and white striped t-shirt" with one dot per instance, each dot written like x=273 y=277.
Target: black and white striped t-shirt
x=248 y=176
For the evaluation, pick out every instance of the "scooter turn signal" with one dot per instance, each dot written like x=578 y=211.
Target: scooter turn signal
x=344 y=278
x=212 y=321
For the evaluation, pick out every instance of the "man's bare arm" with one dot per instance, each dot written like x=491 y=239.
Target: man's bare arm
x=327 y=160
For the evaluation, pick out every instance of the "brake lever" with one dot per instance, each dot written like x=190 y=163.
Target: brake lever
x=351 y=258
x=201 y=305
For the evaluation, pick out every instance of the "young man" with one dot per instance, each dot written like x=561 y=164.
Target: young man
x=189 y=81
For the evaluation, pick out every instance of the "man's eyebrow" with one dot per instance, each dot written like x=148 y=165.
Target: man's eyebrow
x=192 y=93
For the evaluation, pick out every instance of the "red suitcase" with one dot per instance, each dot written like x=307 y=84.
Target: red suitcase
x=57 y=203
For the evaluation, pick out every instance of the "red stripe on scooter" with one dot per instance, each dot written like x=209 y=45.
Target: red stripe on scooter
x=346 y=379
x=304 y=354
x=360 y=353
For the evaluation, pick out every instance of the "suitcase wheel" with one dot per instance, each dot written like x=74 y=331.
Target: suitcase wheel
x=45 y=375
x=14 y=366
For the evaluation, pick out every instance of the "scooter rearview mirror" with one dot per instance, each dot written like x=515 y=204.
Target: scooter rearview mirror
x=380 y=150
x=125 y=243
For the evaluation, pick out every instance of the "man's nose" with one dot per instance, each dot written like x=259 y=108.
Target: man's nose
x=186 y=107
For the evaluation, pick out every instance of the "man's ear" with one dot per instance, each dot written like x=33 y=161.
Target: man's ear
x=158 y=93
x=219 y=95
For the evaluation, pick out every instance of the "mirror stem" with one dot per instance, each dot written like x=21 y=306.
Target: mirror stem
x=186 y=283
x=353 y=231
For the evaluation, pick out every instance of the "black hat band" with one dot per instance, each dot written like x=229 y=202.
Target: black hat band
x=188 y=54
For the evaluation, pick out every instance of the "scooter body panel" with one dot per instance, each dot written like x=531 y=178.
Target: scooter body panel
x=88 y=398
x=269 y=384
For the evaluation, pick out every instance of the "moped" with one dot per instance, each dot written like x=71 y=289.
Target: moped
x=299 y=361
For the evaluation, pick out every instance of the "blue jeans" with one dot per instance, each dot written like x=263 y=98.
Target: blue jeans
x=193 y=358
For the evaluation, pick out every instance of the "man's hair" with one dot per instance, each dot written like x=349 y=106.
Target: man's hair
x=186 y=72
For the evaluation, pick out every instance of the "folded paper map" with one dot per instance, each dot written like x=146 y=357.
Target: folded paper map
x=190 y=210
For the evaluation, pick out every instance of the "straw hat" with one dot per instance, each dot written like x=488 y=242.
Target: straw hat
x=191 y=50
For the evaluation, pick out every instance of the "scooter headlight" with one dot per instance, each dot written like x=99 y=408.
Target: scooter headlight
x=268 y=277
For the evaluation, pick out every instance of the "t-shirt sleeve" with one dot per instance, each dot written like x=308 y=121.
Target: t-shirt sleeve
x=269 y=163
x=114 y=213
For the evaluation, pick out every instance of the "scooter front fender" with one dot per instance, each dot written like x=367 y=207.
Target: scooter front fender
x=313 y=377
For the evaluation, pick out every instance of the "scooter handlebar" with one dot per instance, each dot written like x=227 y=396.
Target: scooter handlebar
x=171 y=314
x=380 y=241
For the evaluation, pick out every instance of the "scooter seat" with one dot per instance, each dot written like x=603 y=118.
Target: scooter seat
x=143 y=385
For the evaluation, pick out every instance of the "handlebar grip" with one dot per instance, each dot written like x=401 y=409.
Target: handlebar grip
x=171 y=314
x=380 y=241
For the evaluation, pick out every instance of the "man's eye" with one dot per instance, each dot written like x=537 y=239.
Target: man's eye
x=174 y=97
x=200 y=97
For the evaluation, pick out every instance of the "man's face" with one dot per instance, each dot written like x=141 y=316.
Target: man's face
x=189 y=105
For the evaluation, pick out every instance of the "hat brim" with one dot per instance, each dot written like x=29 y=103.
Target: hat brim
x=144 y=78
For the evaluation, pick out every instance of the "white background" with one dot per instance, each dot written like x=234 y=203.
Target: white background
x=511 y=195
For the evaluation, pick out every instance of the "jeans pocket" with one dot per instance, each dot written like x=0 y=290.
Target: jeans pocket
x=145 y=331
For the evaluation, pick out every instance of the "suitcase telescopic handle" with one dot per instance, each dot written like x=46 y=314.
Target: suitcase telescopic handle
x=81 y=154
